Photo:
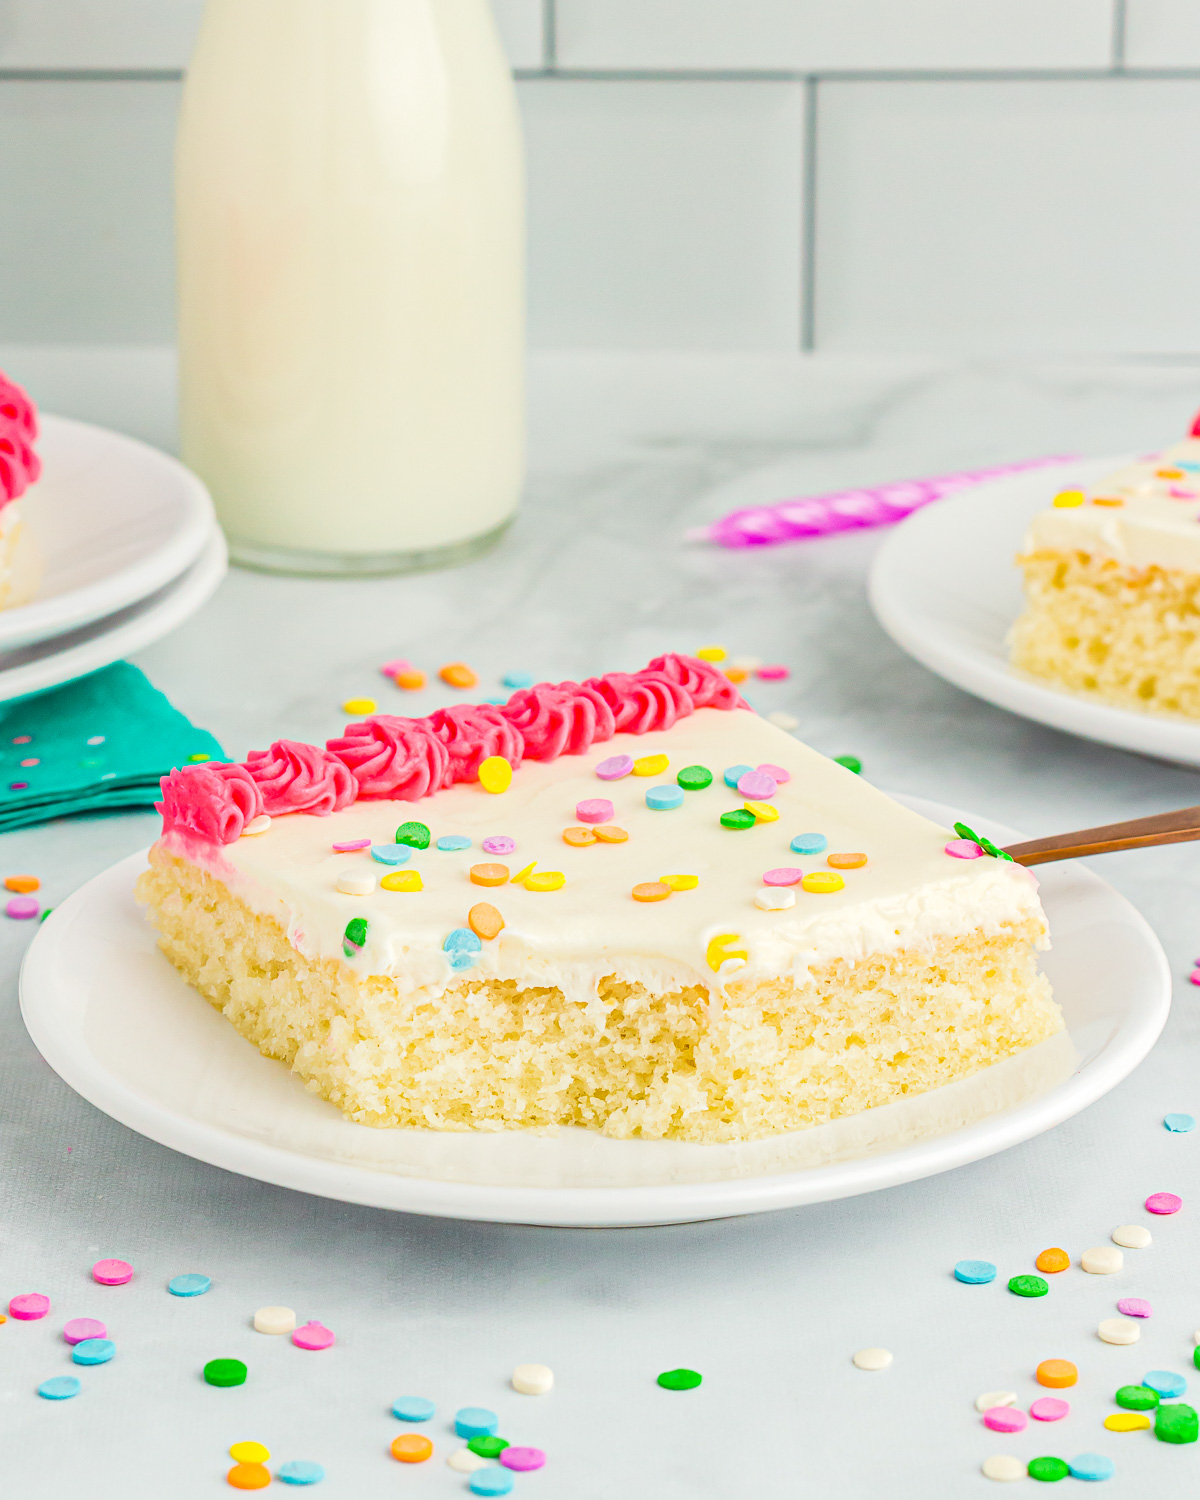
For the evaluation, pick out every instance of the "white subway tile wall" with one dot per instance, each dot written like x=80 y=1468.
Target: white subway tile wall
x=974 y=185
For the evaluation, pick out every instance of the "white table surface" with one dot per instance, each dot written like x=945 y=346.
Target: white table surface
x=627 y=454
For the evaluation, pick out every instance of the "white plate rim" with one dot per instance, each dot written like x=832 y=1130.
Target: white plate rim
x=592 y=1206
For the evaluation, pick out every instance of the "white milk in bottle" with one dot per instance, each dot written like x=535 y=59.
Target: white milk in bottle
x=350 y=208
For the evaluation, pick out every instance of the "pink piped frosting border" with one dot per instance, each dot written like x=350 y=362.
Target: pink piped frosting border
x=406 y=760
x=19 y=464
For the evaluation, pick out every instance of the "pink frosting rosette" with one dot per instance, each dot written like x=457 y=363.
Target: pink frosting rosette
x=393 y=757
x=642 y=702
x=294 y=777
x=706 y=687
x=209 y=802
x=19 y=464
x=472 y=733
x=559 y=718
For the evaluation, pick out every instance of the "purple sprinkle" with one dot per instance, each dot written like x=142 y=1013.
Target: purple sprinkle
x=1134 y=1307
x=964 y=849
x=615 y=767
x=522 y=1459
x=757 y=785
x=352 y=846
x=499 y=844
x=22 y=908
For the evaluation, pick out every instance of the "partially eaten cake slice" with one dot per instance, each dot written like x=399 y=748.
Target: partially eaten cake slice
x=669 y=919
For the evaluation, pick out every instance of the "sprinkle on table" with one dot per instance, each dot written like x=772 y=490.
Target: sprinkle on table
x=975 y=1272
x=1163 y=1203
x=1028 y=1286
x=682 y=1379
x=93 y=1351
x=1048 y=1469
x=522 y=1460
x=411 y=681
x=314 y=1336
x=488 y=1446
x=28 y=1307
x=533 y=1380
x=495 y=775
x=412 y=1448
x=1136 y=1398
x=1132 y=1236
x=76 y=1330
x=274 y=1320
x=1102 y=1260
x=1093 y=1466
x=112 y=1272
x=225 y=1372
x=191 y=1284
x=250 y=1453
x=1049 y=1409
x=995 y=1398
x=457 y=674
x=712 y=653
x=248 y=1477
x=393 y=669
x=413 y=1409
x=489 y=1481
x=771 y=673
x=517 y=680
x=359 y=706
x=1005 y=1419
x=1134 y=1307
x=1128 y=1421
x=60 y=1388
x=1004 y=1467
x=24 y=885
x=872 y=1359
x=1176 y=1124
x=475 y=1421
x=1053 y=1261
x=1118 y=1331
x=1176 y=1423
x=1056 y=1374
x=22 y=908
x=1168 y=1383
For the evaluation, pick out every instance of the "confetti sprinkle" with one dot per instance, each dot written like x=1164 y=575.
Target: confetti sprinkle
x=1091 y=1466
x=545 y=880
x=462 y=947
x=1134 y=1307
x=873 y=1359
x=300 y=1471
x=975 y=1272
x=411 y=682
x=739 y=818
x=495 y=775
x=359 y=706
x=651 y=890
x=609 y=833
x=1163 y=1203
x=733 y=774
x=809 y=843
x=846 y=861
x=1102 y=1260
x=28 y=1307
x=256 y=826
x=523 y=875
x=1028 y=1286
x=718 y=953
x=274 y=1320
x=248 y=1477
x=488 y=1446
x=1055 y=1373
x=523 y=1460
x=615 y=768
x=694 y=778
x=1177 y=1124
x=964 y=849
x=595 y=810
x=763 y=812
x=736 y=674
x=499 y=844
x=650 y=765
x=851 y=763
x=1003 y=1467
x=995 y=1398
x=1048 y=1469
x=22 y=908
x=466 y=1462
x=517 y=680
x=1176 y=1423
x=79 y=1329
x=190 y=1285
x=351 y=846
x=356 y=883
x=822 y=883
x=393 y=669
x=712 y=653
x=1118 y=1331
x=451 y=843
x=773 y=673
x=1005 y=1419
x=1132 y=1236
x=485 y=921
x=412 y=1448
x=391 y=854
x=757 y=785
x=457 y=674
x=681 y=882
x=1137 y=1398
x=416 y=835
x=413 y=1409
x=774 y=899
x=22 y=884
x=1053 y=1261
x=314 y=1336
x=489 y=1481
x=1049 y=1409
x=783 y=721
x=60 y=1388
x=579 y=838
x=93 y=1351
x=225 y=1372
x=1128 y=1421
x=664 y=798
x=784 y=875
x=1166 y=1382
x=475 y=1421
x=354 y=937
x=533 y=1380
x=680 y=1380
x=250 y=1453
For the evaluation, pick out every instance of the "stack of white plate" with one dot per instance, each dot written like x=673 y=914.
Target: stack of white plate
x=129 y=548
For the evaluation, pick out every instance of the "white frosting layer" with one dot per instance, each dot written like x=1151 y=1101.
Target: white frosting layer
x=1157 y=525
x=910 y=893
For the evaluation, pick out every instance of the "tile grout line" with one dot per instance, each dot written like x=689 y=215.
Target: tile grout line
x=91 y=75
x=808 y=222
x=879 y=75
x=550 y=35
x=1120 y=28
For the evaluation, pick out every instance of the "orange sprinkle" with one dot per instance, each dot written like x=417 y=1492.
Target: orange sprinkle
x=1170 y=473
x=579 y=837
x=412 y=1448
x=736 y=674
x=1057 y=1373
x=458 y=674
x=489 y=874
x=249 y=1476
x=845 y=861
x=609 y=833
x=412 y=680
x=1053 y=1261
x=651 y=890
x=23 y=883
x=1106 y=500
x=485 y=921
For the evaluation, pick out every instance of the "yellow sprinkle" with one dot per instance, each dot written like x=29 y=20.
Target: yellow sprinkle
x=197 y=760
x=1170 y=473
x=402 y=880
x=719 y=952
x=680 y=882
x=712 y=653
x=359 y=706
x=1066 y=498
x=651 y=765
x=1107 y=500
x=523 y=875
x=763 y=811
x=823 y=883
x=249 y=1453
x=1127 y=1421
x=495 y=774
x=546 y=880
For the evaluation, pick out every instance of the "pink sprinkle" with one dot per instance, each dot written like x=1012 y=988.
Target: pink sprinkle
x=780 y=775
x=32 y=761
x=1048 y=1409
x=773 y=674
x=394 y=668
x=615 y=767
x=500 y=844
x=22 y=908
x=1134 y=1307
x=1194 y=977
x=1163 y=1203
x=351 y=846
x=18 y=786
x=79 y=1329
x=112 y=1272
x=23 y=739
x=964 y=849
x=28 y=1307
x=757 y=785
x=785 y=875
x=1005 y=1419
x=594 y=810
x=1177 y=494
x=522 y=1459
x=312 y=1336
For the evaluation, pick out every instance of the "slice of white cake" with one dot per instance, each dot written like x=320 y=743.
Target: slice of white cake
x=657 y=973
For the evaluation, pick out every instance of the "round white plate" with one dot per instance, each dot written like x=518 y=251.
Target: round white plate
x=33 y=669
x=115 y=1021
x=113 y=519
x=946 y=588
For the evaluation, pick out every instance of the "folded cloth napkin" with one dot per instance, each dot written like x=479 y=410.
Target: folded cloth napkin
x=100 y=742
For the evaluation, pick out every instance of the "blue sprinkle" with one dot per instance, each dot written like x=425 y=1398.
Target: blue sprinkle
x=491 y=1482
x=452 y=841
x=192 y=1285
x=1180 y=1124
x=1165 y=1382
x=975 y=1272
x=391 y=854
x=462 y=940
x=1091 y=1466
x=734 y=774
x=1194 y=468
x=93 y=1351
x=517 y=679
x=499 y=699
x=476 y=1421
x=300 y=1471
x=413 y=1409
x=810 y=843
x=663 y=798
x=61 y=1388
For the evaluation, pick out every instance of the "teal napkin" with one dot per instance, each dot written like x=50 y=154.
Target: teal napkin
x=101 y=742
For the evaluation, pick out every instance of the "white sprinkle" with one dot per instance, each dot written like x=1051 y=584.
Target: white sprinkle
x=995 y=1398
x=1132 y=1236
x=1119 y=1331
x=274 y=1320
x=774 y=898
x=783 y=721
x=352 y=884
x=256 y=826
x=873 y=1359
x=532 y=1380
x=730 y=966
x=1004 y=1467
x=1102 y=1260
x=465 y=1461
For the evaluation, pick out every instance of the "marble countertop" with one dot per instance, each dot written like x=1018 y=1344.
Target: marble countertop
x=627 y=454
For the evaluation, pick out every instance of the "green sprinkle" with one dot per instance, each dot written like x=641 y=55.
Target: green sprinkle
x=225 y=1372
x=1137 y=1397
x=1048 y=1469
x=1029 y=1286
x=49 y=909
x=679 y=1380
x=985 y=844
x=1195 y=1351
x=196 y=760
x=694 y=778
x=738 y=818
x=488 y=1446
x=851 y=763
x=1176 y=1423
x=355 y=936
x=414 y=834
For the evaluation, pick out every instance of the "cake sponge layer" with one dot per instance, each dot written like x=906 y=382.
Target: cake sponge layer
x=493 y=1055
x=1128 y=635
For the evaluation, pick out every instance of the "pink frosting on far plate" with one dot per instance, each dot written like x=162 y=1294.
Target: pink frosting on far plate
x=294 y=777
x=390 y=757
x=210 y=802
x=19 y=464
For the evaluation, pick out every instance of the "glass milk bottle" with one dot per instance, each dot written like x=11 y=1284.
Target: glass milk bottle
x=350 y=211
